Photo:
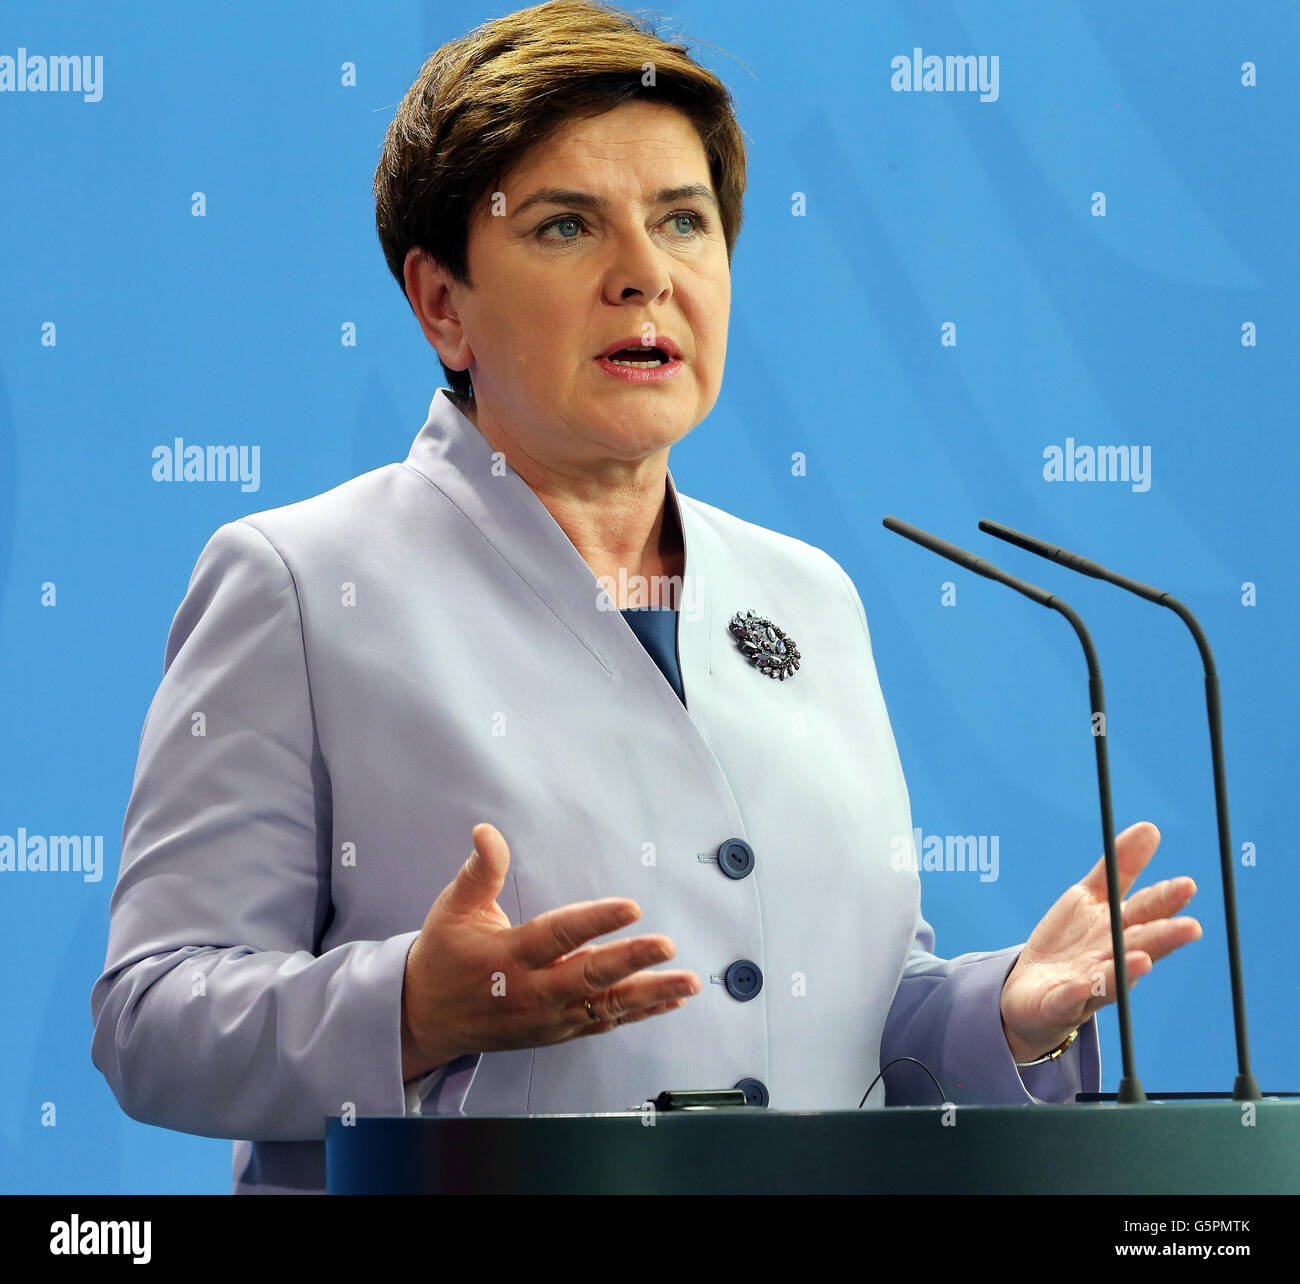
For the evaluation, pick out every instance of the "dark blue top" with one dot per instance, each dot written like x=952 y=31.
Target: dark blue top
x=656 y=629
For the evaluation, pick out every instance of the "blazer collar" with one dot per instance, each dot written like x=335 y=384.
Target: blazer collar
x=453 y=455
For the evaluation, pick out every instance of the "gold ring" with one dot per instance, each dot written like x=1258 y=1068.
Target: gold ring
x=590 y=1013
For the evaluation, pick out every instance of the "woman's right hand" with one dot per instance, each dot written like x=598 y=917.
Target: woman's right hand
x=452 y=1007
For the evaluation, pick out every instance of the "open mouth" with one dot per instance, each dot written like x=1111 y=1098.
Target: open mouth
x=639 y=358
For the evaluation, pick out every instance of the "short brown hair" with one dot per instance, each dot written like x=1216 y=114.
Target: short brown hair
x=483 y=100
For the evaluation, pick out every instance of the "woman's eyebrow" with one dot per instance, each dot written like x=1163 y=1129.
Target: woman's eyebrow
x=587 y=200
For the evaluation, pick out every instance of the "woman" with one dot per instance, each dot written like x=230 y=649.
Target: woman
x=450 y=652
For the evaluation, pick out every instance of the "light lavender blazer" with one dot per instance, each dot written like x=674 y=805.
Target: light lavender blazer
x=353 y=681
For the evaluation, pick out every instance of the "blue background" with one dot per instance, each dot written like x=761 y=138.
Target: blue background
x=922 y=208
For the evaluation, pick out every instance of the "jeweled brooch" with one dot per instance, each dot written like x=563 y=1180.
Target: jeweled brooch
x=765 y=646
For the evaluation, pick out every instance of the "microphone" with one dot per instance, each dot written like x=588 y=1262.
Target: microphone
x=1130 y=1089
x=1245 y=1088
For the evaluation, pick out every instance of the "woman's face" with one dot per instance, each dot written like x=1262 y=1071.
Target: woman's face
x=595 y=244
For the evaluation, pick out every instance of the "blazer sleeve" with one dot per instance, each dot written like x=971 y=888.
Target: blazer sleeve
x=215 y=1013
x=947 y=1013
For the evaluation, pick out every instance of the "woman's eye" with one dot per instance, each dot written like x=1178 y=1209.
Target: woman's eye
x=567 y=221
x=684 y=224
x=696 y=222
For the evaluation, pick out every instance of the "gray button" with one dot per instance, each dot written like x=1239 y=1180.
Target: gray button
x=743 y=980
x=736 y=858
x=755 y=1091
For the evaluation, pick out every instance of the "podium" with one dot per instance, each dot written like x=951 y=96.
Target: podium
x=1172 y=1148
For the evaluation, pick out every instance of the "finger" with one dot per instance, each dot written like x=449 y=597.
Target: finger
x=547 y=938
x=628 y=1018
x=1133 y=849
x=654 y=993
x=1136 y=963
x=1160 y=900
x=1162 y=937
x=647 y=990
x=589 y=972
x=480 y=879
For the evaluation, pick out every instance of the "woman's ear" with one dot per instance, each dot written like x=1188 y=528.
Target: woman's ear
x=429 y=290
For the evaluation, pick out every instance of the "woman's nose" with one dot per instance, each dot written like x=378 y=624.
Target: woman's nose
x=637 y=267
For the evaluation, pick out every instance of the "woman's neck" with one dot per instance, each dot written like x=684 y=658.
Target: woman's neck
x=623 y=525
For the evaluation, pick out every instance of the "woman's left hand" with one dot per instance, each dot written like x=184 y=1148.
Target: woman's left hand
x=1067 y=969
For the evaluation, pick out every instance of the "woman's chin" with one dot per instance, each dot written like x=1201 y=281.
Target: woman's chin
x=631 y=432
